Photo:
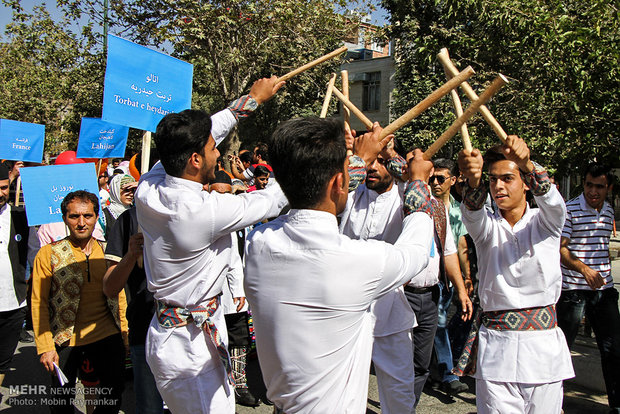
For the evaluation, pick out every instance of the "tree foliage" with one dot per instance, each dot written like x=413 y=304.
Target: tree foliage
x=49 y=75
x=562 y=58
x=233 y=43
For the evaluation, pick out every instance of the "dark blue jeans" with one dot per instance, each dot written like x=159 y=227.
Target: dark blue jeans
x=443 y=351
x=601 y=309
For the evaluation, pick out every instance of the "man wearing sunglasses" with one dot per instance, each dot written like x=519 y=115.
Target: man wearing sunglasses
x=443 y=178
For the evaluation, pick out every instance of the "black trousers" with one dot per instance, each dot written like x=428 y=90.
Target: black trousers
x=601 y=309
x=11 y=323
x=425 y=307
x=107 y=357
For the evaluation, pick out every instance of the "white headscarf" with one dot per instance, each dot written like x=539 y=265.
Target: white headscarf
x=116 y=206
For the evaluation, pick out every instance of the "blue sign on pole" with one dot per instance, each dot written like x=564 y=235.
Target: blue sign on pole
x=21 y=141
x=101 y=139
x=46 y=187
x=142 y=85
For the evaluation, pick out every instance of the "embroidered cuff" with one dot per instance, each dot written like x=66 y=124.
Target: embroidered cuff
x=474 y=198
x=417 y=198
x=357 y=172
x=537 y=180
x=243 y=106
x=396 y=166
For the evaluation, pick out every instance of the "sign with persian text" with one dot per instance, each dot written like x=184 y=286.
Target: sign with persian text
x=45 y=188
x=142 y=85
x=101 y=139
x=21 y=141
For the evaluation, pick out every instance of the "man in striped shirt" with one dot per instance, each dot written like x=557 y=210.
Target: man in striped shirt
x=587 y=284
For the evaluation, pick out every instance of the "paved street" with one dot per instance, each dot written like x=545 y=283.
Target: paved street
x=584 y=394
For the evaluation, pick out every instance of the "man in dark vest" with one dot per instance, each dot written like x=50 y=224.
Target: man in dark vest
x=13 y=254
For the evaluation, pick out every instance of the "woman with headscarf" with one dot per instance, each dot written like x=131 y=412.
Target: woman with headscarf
x=121 y=188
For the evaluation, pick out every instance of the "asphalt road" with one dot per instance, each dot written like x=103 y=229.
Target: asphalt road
x=582 y=395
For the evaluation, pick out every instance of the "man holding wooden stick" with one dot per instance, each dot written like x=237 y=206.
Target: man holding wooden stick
x=522 y=356
x=187 y=251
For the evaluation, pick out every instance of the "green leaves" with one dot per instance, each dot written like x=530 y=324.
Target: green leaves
x=562 y=58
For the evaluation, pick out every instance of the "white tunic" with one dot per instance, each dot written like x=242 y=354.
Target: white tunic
x=187 y=252
x=373 y=216
x=310 y=289
x=519 y=267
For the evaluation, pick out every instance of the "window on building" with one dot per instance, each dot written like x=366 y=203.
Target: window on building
x=372 y=92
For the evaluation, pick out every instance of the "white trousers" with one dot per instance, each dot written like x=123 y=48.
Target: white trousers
x=188 y=371
x=392 y=357
x=515 y=398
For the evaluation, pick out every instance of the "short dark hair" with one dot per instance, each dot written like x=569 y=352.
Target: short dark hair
x=493 y=155
x=446 y=164
x=597 y=169
x=260 y=171
x=81 y=195
x=305 y=154
x=245 y=157
x=262 y=149
x=179 y=135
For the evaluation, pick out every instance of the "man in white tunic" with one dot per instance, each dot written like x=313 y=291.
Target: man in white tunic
x=310 y=287
x=522 y=356
x=374 y=211
x=188 y=249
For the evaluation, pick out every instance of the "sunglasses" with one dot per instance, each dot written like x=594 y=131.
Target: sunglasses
x=440 y=179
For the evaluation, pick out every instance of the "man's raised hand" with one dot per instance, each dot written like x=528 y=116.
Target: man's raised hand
x=369 y=145
x=470 y=165
x=264 y=89
x=418 y=168
x=516 y=150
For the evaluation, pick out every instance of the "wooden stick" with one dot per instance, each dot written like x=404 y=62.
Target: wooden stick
x=312 y=64
x=469 y=112
x=458 y=109
x=367 y=122
x=328 y=96
x=449 y=67
x=428 y=101
x=99 y=169
x=18 y=190
x=146 y=152
x=344 y=75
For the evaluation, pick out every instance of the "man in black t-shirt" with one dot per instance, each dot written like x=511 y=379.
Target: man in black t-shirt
x=125 y=267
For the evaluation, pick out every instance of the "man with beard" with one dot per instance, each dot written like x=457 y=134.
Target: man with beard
x=13 y=257
x=187 y=251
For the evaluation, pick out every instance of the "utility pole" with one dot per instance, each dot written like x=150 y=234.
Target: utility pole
x=105 y=26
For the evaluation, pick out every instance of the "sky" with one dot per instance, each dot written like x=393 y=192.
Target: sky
x=379 y=17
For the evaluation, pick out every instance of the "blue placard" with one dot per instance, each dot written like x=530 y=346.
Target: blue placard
x=45 y=187
x=101 y=139
x=142 y=86
x=21 y=141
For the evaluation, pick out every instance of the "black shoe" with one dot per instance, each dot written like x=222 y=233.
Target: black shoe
x=267 y=401
x=244 y=397
x=24 y=336
x=454 y=387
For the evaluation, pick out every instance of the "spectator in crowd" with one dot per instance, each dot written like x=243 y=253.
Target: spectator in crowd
x=72 y=318
x=261 y=178
x=125 y=262
x=14 y=235
x=443 y=178
x=122 y=189
x=587 y=283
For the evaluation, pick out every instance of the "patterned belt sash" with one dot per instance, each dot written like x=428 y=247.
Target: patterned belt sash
x=172 y=317
x=532 y=319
